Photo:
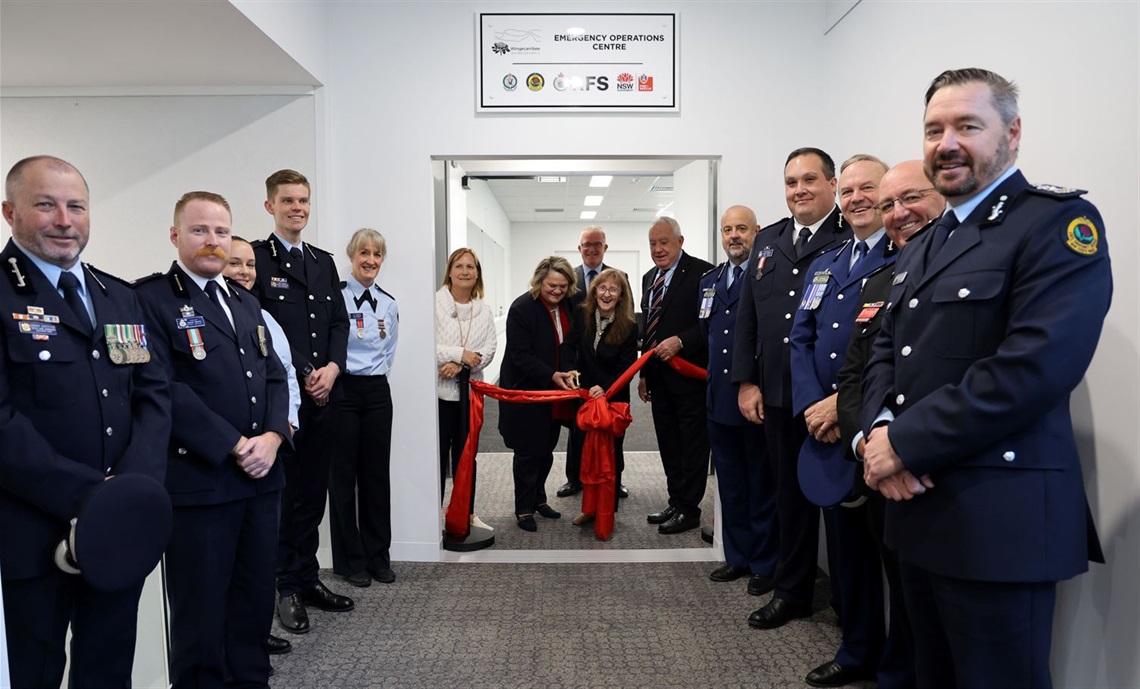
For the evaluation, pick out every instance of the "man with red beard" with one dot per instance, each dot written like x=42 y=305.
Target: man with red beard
x=993 y=317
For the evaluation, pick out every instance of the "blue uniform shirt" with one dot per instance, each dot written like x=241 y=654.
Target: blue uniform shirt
x=372 y=332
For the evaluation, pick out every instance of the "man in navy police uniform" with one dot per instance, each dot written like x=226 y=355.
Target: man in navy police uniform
x=298 y=285
x=994 y=316
x=75 y=410
x=743 y=477
x=761 y=365
x=230 y=408
x=820 y=332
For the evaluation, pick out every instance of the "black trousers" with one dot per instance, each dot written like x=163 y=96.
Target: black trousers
x=896 y=667
x=103 y=630
x=360 y=487
x=303 y=500
x=531 y=472
x=219 y=581
x=452 y=437
x=796 y=516
x=680 y=421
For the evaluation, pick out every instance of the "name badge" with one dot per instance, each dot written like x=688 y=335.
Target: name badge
x=38 y=331
x=706 y=303
x=279 y=282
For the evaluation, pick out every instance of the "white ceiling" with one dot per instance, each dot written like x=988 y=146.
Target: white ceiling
x=627 y=199
x=138 y=44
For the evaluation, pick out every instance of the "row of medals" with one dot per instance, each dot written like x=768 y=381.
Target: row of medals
x=130 y=352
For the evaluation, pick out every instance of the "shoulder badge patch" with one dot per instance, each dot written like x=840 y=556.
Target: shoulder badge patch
x=1056 y=191
x=1082 y=236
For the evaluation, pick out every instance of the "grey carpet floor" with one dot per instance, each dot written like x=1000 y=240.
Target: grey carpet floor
x=554 y=625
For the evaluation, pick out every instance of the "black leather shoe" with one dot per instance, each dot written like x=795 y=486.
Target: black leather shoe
x=320 y=597
x=278 y=646
x=526 y=522
x=728 y=573
x=832 y=674
x=569 y=489
x=360 y=579
x=662 y=516
x=776 y=614
x=291 y=612
x=548 y=511
x=758 y=585
x=384 y=575
x=623 y=491
x=680 y=522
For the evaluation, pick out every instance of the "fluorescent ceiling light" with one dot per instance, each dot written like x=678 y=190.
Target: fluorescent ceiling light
x=601 y=180
x=549 y=180
x=588 y=215
x=593 y=201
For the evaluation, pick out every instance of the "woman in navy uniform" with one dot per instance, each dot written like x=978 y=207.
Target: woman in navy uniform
x=537 y=325
x=360 y=489
x=605 y=339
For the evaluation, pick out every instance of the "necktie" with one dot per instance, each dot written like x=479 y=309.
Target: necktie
x=656 y=294
x=860 y=253
x=70 y=286
x=737 y=272
x=366 y=297
x=590 y=277
x=216 y=297
x=941 y=232
x=298 y=259
x=802 y=242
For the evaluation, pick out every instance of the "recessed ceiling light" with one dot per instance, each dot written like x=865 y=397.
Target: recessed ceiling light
x=588 y=215
x=601 y=180
x=593 y=201
x=549 y=180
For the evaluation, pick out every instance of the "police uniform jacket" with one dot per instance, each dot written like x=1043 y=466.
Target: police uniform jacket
x=979 y=350
x=306 y=302
x=718 y=322
x=772 y=291
x=679 y=309
x=238 y=388
x=69 y=416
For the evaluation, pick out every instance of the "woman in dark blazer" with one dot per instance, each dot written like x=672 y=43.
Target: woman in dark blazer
x=605 y=342
x=538 y=325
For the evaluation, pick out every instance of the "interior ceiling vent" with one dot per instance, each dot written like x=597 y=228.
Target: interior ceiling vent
x=549 y=210
x=661 y=187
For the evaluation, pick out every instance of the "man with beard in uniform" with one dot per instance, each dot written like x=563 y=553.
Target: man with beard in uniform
x=761 y=366
x=994 y=316
x=298 y=285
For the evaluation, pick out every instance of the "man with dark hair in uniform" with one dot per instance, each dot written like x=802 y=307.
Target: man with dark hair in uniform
x=775 y=277
x=994 y=316
x=75 y=411
x=298 y=285
x=230 y=409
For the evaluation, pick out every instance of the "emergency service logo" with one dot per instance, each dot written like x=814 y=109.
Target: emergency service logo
x=510 y=82
x=535 y=82
x=559 y=82
x=645 y=83
x=625 y=81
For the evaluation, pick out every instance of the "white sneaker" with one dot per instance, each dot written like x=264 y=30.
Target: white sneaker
x=477 y=522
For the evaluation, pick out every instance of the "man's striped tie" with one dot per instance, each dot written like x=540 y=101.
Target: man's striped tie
x=656 y=294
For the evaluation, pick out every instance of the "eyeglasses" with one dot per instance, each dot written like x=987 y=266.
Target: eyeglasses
x=908 y=199
x=609 y=289
x=591 y=245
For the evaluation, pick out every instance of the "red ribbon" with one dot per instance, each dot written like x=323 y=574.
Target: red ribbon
x=601 y=419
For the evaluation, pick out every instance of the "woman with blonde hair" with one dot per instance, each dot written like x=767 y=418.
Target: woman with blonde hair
x=465 y=343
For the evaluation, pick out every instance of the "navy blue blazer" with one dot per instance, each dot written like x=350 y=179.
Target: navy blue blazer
x=69 y=417
x=774 y=287
x=719 y=328
x=979 y=350
x=304 y=301
x=819 y=342
x=237 y=389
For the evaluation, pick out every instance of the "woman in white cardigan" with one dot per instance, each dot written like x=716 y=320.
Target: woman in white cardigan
x=464 y=345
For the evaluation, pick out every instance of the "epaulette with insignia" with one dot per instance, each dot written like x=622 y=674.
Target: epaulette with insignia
x=1054 y=191
x=384 y=291
x=258 y=243
x=710 y=271
x=343 y=284
x=148 y=278
x=317 y=248
x=776 y=224
x=104 y=275
x=234 y=283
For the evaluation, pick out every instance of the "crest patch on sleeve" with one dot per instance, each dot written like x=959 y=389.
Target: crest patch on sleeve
x=1082 y=236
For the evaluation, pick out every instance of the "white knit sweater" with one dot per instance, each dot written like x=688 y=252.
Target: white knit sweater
x=481 y=339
